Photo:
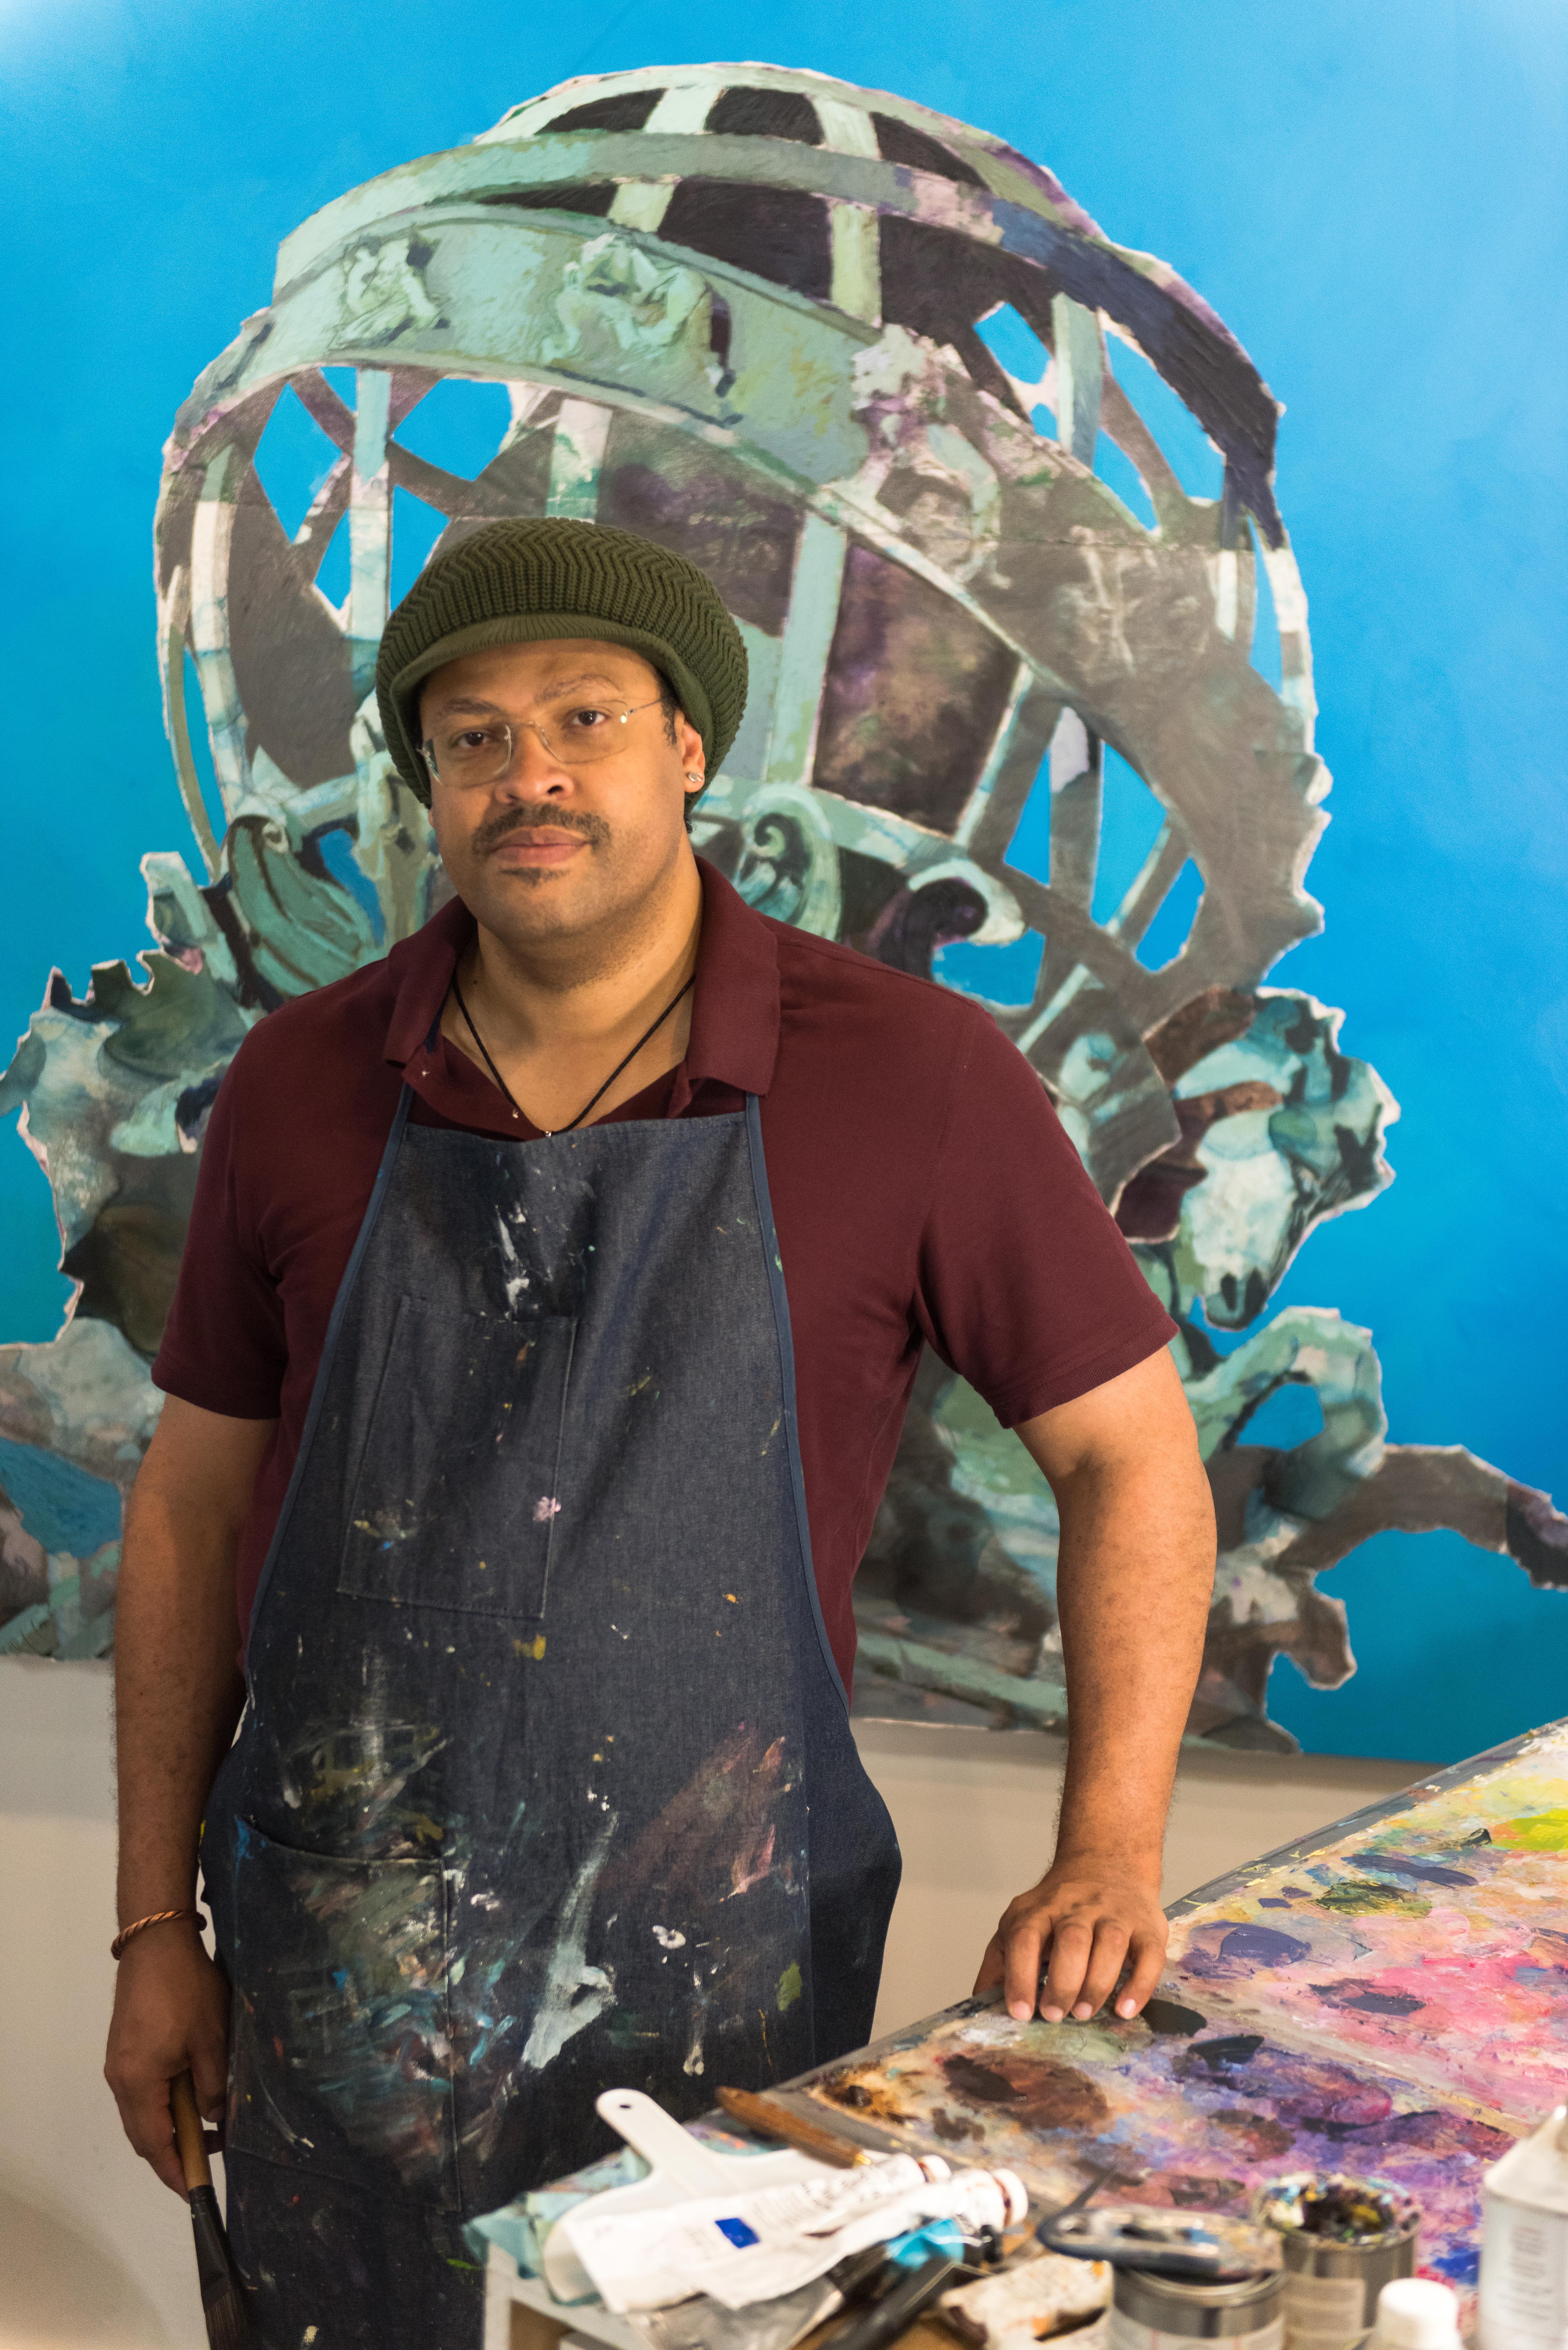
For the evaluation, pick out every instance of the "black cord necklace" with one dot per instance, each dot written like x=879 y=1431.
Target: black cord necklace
x=517 y=1110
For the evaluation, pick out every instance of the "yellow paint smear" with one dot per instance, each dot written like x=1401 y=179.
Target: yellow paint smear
x=1536 y=1832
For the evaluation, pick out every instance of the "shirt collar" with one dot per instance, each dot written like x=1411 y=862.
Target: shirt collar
x=735 y=1004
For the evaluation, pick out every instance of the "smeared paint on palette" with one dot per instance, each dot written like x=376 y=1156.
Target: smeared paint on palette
x=1195 y=2117
x=1388 y=1998
x=1431 y=1936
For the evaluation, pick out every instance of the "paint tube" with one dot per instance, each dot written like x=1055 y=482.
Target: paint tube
x=1524 y=2243
x=643 y=2259
x=742 y=2249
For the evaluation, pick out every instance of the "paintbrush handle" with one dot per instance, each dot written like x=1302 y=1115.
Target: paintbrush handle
x=189 y=2135
x=911 y=2293
x=770 y=2119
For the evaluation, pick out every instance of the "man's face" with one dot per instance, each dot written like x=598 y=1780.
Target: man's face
x=551 y=843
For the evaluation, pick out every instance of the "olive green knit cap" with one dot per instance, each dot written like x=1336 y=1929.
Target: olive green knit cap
x=527 y=580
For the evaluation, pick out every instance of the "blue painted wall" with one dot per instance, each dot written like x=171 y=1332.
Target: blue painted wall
x=1375 y=201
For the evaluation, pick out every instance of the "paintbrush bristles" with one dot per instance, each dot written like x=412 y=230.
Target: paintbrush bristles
x=222 y=2296
x=228 y=2327
x=223 y=2299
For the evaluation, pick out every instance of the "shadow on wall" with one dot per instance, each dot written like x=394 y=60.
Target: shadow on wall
x=65 y=2290
x=1032 y=713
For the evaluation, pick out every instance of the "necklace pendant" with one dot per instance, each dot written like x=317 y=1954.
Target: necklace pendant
x=550 y=1132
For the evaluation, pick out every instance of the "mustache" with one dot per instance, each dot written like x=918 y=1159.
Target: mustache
x=507 y=824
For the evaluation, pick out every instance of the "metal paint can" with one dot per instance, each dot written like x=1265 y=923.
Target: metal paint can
x=1156 y=2313
x=1333 y=2280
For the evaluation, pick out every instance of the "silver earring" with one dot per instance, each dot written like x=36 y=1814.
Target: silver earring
x=691 y=778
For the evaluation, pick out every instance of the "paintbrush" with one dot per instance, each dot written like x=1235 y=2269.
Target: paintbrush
x=222 y=2303
x=701 y=2323
x=1108 y=2174
x=894 y=2310
x=770 y=2119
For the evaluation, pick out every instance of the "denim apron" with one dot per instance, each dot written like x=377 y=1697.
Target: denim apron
x=546 y=1783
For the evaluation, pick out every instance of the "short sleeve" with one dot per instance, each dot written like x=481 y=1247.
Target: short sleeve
x=224 y=1346
x=1027 y=1288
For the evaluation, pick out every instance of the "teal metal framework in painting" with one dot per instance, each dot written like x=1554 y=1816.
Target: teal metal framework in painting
x=1030 y=712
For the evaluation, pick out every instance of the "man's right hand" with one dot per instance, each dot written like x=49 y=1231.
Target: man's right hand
x=178 y=1695
x=170 y=2014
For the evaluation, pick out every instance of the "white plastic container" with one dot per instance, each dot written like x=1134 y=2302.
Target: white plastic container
x=1416 y=2314
x=1524 y=2243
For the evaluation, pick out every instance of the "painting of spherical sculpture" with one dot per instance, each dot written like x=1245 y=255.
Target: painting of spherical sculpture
x=992 y=499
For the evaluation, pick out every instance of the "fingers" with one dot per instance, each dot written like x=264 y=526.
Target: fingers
x=210 y=2076
x=149 y=2123
x=1147 y=1955
x=170 y=2014
x=1082 y=1934
x=1072 y=1944
x=990 y=1967
x=1024 y=1948
x=1107 y=1954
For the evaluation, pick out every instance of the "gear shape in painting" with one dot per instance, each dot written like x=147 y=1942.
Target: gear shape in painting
x=915 y=413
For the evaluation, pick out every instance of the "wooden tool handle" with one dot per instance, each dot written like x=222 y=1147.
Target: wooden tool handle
x=772 y=2120
x=189 y=2135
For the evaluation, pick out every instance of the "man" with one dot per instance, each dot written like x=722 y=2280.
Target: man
x=553 y=1296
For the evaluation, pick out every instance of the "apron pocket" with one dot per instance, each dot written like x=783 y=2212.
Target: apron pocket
x=342 y=2034
x=455 y=1501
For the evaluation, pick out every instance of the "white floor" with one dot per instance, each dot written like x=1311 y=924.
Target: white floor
x=93 y=2250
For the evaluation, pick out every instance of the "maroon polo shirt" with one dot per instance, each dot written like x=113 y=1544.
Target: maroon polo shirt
x=922 y=1187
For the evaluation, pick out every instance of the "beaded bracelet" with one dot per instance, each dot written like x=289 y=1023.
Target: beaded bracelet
x=139 y=1925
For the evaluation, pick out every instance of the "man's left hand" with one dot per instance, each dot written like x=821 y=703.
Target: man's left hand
x=1090 y=1919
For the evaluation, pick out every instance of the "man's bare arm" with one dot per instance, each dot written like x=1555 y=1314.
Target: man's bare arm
x=1135 y=1583
x=177 y=1694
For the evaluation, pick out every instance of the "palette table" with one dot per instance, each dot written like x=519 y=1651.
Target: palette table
x=1388 y=1996
x=520 y=2314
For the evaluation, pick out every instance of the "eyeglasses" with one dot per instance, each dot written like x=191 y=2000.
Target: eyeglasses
x=575 y=733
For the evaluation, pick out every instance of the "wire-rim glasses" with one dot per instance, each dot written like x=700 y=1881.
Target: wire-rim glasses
x=575 y=733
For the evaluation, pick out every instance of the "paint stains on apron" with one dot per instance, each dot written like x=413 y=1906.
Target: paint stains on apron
x=545 y=1781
